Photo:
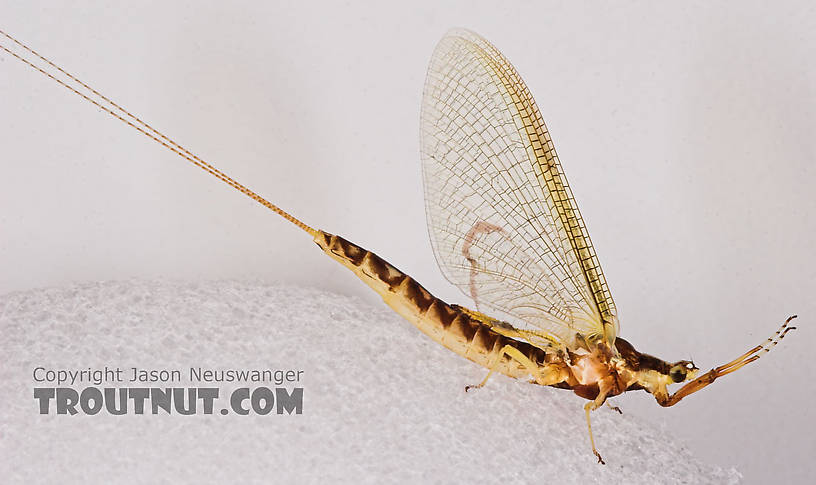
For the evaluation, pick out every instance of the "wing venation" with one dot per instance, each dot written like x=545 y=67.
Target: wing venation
x=503 y=222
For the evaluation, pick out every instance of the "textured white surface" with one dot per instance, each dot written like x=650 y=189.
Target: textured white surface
x=381 y=401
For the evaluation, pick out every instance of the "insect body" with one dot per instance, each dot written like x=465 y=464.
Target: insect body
x=505 y=229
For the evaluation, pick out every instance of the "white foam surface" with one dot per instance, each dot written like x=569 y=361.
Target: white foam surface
x=382 y=402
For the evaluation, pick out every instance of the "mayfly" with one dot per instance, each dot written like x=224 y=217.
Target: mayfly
x=504 y=228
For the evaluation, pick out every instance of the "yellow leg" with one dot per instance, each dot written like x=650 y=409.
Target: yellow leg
x=704 y=380
x=591 y=406
x=538 y=372
x=588 y=407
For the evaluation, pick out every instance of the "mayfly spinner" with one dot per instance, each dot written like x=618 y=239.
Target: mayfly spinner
x=505 y=229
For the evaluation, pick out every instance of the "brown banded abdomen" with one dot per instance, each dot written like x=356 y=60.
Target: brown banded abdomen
x=451 y=327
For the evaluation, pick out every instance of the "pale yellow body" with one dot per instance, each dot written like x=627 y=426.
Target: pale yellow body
x=594 y=372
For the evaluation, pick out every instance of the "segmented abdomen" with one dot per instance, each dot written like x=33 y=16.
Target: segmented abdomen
x=449 y=326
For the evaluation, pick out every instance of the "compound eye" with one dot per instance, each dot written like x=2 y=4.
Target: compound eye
x=678 y=373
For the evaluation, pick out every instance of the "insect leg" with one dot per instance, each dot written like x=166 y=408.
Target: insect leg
x=589 y=407
x=614 y=408
x=542 y=374
x=736 y=364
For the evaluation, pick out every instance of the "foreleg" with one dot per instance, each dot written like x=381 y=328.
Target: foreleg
x=736 y=364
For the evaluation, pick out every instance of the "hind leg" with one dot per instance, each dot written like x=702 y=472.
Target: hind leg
x=544 y=374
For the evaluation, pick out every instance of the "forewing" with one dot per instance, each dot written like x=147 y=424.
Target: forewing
x=504 y=225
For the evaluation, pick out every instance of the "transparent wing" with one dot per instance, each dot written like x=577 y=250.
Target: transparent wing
x=504 y=225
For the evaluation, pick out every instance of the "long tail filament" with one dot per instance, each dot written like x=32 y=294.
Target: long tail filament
x=125 y=116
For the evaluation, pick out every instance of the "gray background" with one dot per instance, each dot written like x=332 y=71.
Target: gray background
x=686 y=133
